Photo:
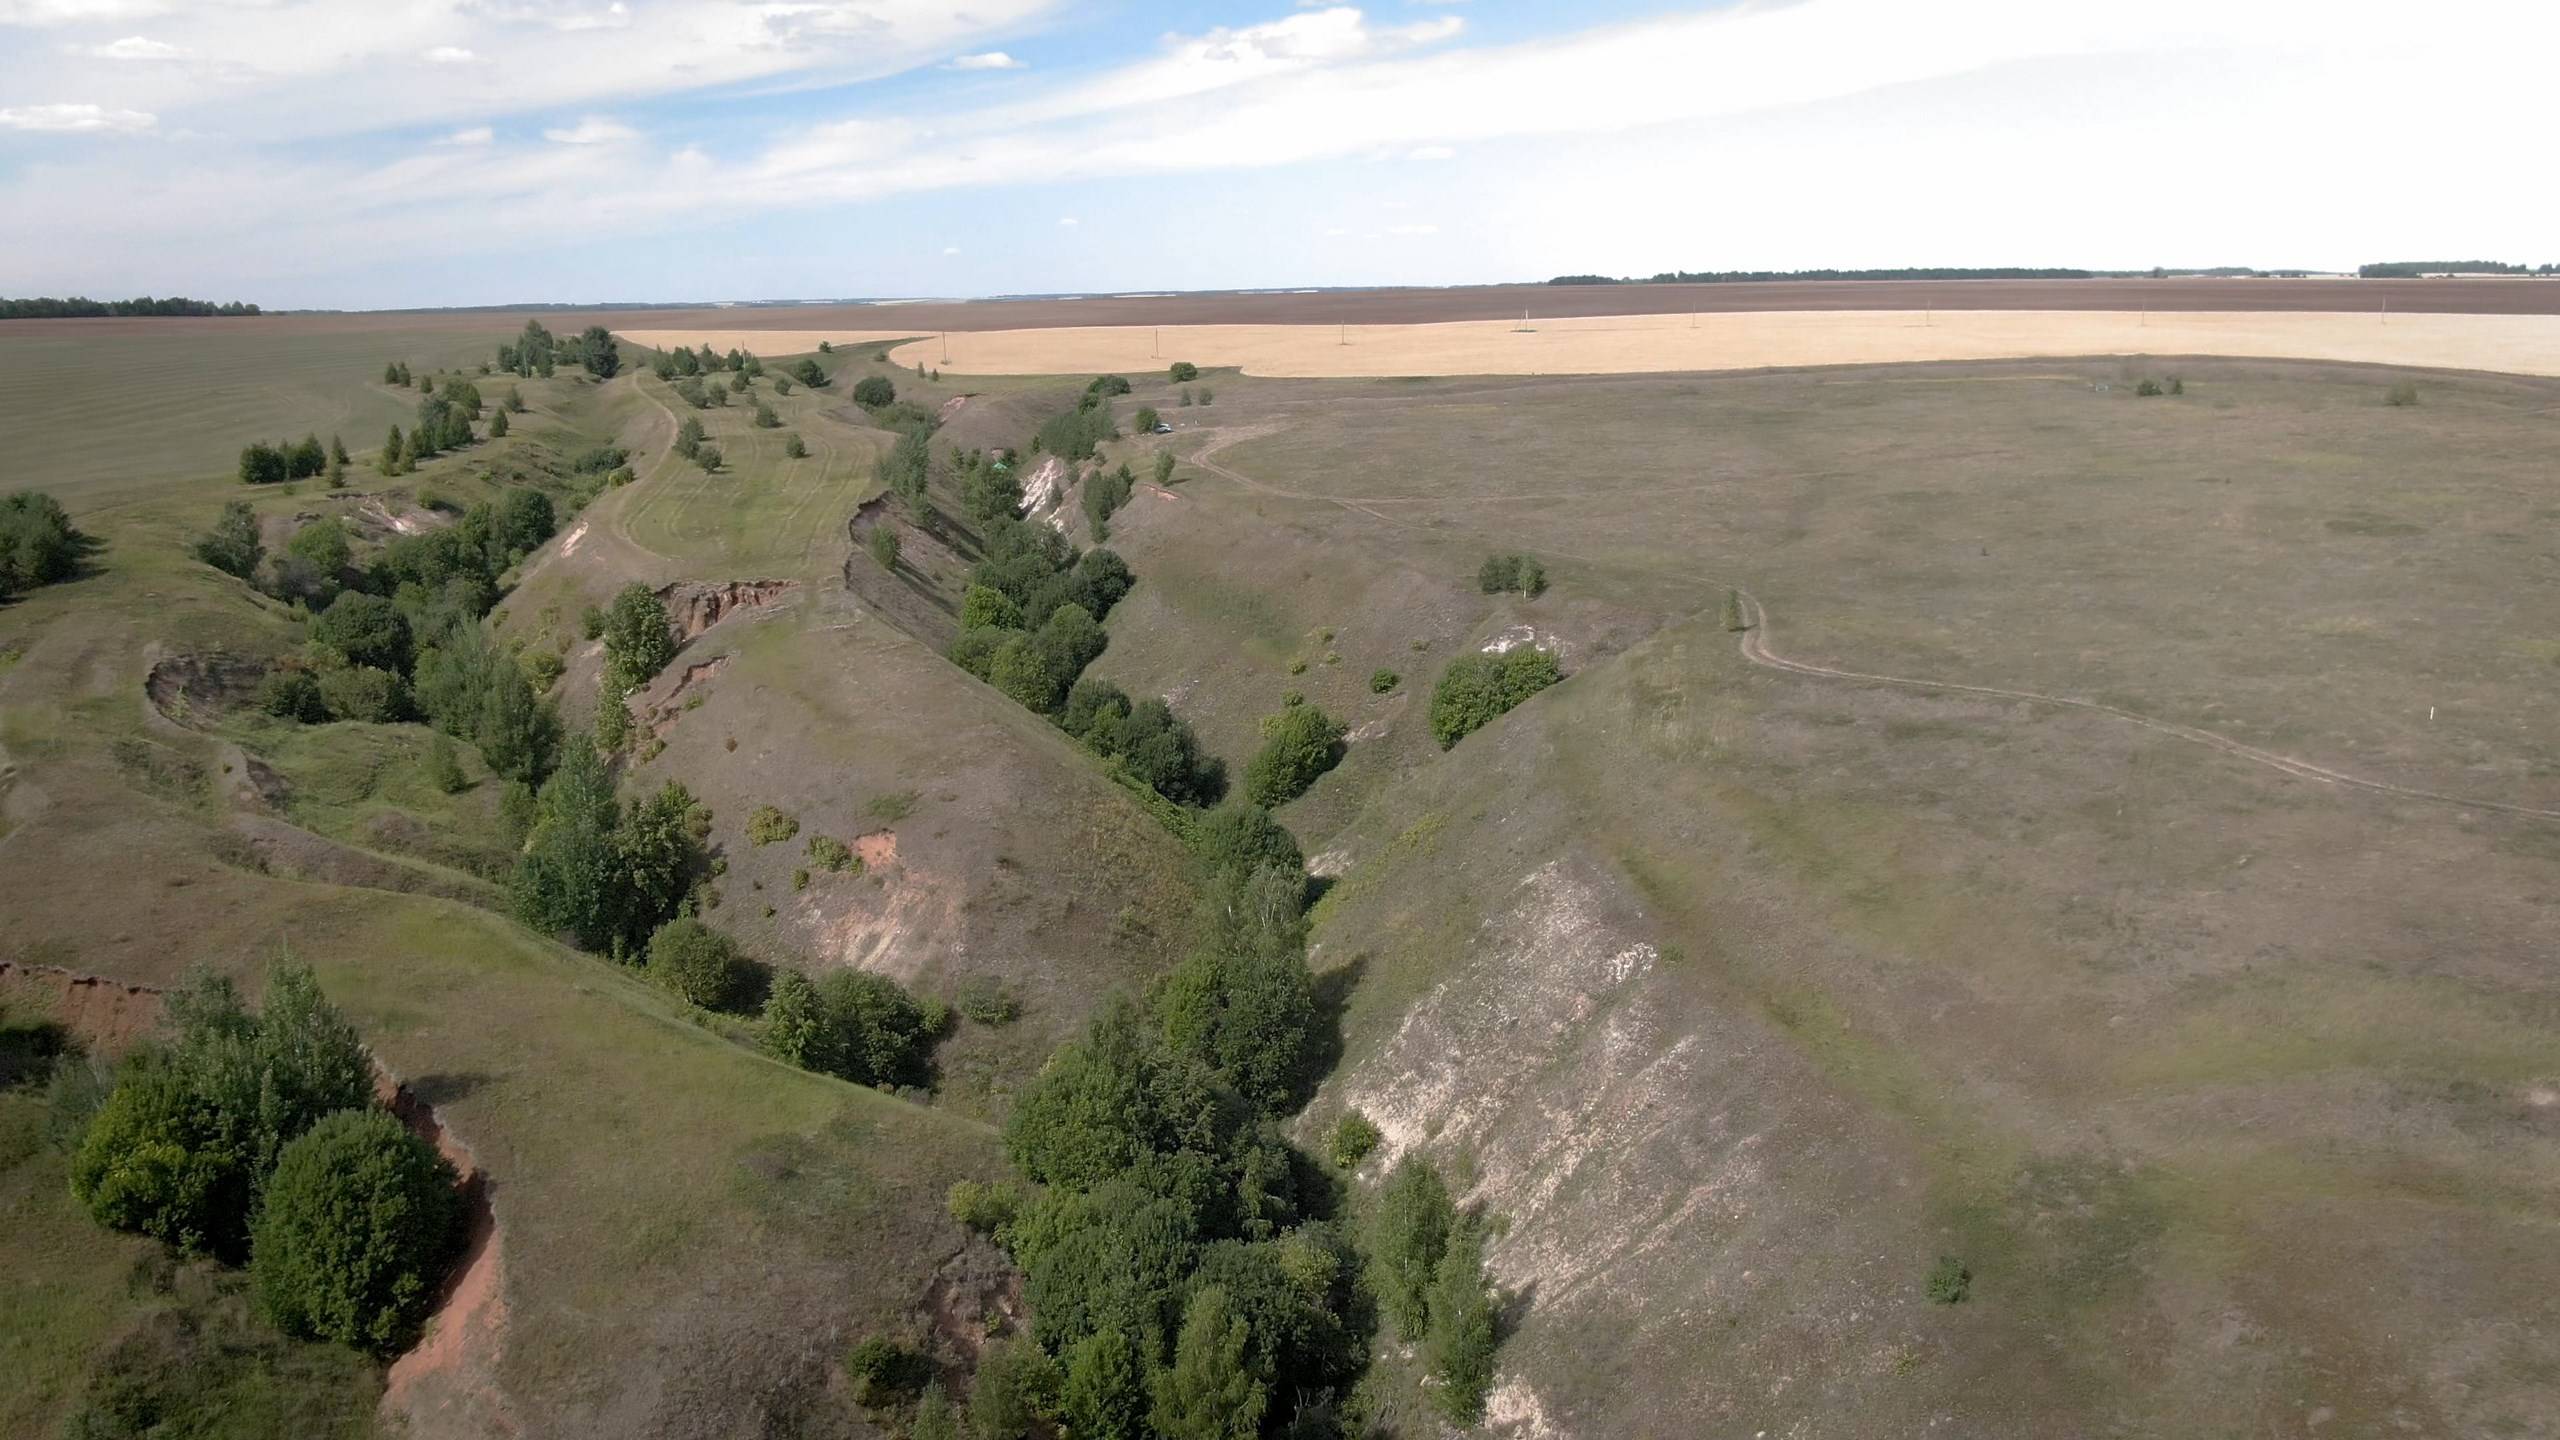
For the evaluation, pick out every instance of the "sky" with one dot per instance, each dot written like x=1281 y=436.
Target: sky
x=388 y=153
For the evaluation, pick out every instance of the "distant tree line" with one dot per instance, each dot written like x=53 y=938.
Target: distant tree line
x=2411 y=269
x=1953 y=272
x=81 y=307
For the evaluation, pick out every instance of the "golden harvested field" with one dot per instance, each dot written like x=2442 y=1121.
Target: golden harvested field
x=1630 y=344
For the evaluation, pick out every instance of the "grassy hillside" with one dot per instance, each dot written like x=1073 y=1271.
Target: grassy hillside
x=690 y=1233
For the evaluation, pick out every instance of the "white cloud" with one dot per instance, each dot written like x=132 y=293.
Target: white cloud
x=1068 y=222
x=133 y=47
x=984 y=60
x=450 y=55
x=74 y=118
x=1335 y=232
x=74 y=12
x=593 y=130
x=1409 y=230
x=476 y=135
x=950 y=249
x=1431 y=152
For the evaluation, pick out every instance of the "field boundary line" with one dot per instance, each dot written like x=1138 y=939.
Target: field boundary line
x=1755 y=648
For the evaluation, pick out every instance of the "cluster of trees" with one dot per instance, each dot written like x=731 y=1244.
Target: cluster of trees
x=81 y=307
x=444 y=423
x=254 y=1135
x=1031 y=621
x=264 y=464
x=604 y=873
x=1149 y=743
x=808 y=372
x=396 y=373
x=1505 y=573
x=1188 y=1271
x=397 y=636
x=536 y=352
x=1476 y=689
x=1298 y=744
x=859 y=1026
x=1426 y=1266
x=38 y=545
x=1073 y=435
x=873 y=391
x=681 y=363
x=1103 y=497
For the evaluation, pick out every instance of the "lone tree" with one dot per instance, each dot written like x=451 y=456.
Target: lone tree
x=637 y=640
x=1733 y=616
x=884 y=547
x=603 y=359
x=360 y=1222
x=874 y=391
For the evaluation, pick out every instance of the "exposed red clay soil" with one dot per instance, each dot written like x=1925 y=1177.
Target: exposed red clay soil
x=664 y=714
x=696 y=607
x=447 y=1384
x=107 y=1016
x=877 y=849
x=952 y=407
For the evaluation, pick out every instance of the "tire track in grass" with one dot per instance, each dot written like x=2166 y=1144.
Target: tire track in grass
x=1755 y=648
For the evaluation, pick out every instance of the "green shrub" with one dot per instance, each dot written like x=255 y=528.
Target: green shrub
x=1182 y=372
x=792 y=1028
x=367 y=629
x=1240 y=839
x=697 y=964
x=361 y=692
x=710 y=459
x=232 y=546
x=1354 y=1136
x=2402 y=394
x=874 y=391
x=1949 y=1281
x=983 y=1207
x=1505 y=573
x=792 y=446
x=443 y=765
x=292 y=694
x=766 y=419
x=833 y=855
x=1207 y=395
x=891 y=806
x=1476 y=689
x=984 y=606
x=987 y=1001
x=1298 y=744
x=769 y=826
x=1733 y=617
x=2147 y=388
x=1407 y=1236
x=1458 y=1350
x=359 y=1225
x=885 y=546
x=638 y=641
x=1381 y=681
x=884 y=1372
